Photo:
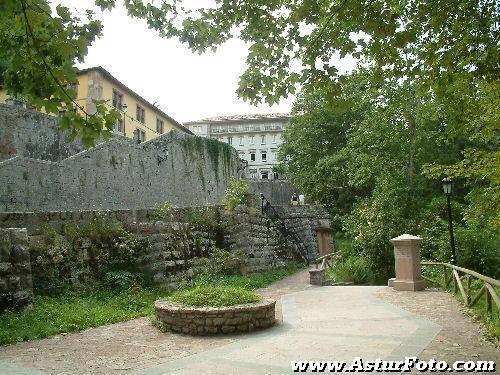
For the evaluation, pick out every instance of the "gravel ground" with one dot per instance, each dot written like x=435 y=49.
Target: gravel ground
x=460 y=338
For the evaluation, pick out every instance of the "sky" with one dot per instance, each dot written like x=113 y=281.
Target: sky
x=185 y=85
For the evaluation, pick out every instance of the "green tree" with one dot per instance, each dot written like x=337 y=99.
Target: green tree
x=365 y=155
x=38 y=51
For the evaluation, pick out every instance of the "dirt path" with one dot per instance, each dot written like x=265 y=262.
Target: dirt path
x=124 y=347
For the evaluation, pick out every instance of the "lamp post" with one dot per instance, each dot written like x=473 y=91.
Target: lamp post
x=447 y=184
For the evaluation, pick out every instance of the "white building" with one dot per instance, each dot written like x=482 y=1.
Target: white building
x=255 y=137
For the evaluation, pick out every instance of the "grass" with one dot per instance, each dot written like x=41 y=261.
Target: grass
x=214 y=296
x=75 y=309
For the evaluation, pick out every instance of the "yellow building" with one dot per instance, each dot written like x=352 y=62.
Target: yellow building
x=140 y=119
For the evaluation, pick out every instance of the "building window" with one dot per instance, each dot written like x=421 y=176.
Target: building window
x=230 y=140
x=141 y=135
x=252 y=156
x=117 y=100
x=264 y=175
x=252 y=139
x=264 y=156
x=140 y=114
x=274 y=138
x=253 y=173
x=263 y=139
x=119 y=126
x=241 y=140
x=160 y=126
x=276 y=175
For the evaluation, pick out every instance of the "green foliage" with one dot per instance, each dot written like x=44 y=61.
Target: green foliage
x=164 y=211
x=43 y=70
x=214 y=295
x=75 y=310
x=356 y=269
x=292 y=43
x=85 y=254
x=219 y=262
x=237 y=193
x=366 y=155
x=204 y=217
x=248 y=282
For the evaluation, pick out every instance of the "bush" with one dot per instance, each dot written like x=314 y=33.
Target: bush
x=219 y=262
x=164 y=211
x=119 y=280
x=237 y=193
x=356 y=269
x=86 y=254
x=214 y=296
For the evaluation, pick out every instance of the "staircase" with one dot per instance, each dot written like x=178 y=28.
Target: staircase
x=270 y=211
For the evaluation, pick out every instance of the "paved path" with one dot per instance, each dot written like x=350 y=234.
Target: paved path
x=318 y=323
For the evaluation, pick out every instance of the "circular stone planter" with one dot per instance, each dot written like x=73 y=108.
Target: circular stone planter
x=213 y=320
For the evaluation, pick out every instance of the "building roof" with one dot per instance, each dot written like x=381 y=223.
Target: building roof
x=118 y=83
x=242 y=118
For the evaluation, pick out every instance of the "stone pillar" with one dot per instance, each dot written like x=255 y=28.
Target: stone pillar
x=317 y=276
x=407 y=260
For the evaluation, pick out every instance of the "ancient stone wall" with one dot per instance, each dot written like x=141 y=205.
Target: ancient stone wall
x=171 y=248
x=306 y=220
x=277 y=192
x=33 y=135
x=120 y=174
x=16 y=287
x=263 y=245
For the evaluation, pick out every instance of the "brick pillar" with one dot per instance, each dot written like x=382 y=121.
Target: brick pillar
x=407 y=261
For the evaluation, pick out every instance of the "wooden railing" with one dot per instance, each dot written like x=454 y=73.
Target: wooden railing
x=326 y=260
x=487 y=289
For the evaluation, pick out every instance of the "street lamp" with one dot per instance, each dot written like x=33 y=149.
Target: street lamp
x=447 y=184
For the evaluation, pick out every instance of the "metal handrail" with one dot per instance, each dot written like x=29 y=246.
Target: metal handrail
x=286 y=231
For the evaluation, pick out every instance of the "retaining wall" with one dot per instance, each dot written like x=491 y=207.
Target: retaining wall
x=16 y=286
x=213 y=320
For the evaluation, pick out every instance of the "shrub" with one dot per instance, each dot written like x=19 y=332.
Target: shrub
x=164 y=211
x=214 y=296
x=85 y=254
x=237 y=193
x=356 y=269
x=219 y=262
x=119 y=280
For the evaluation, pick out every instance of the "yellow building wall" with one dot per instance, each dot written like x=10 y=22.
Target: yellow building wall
x=3 y=96
x=131 y=123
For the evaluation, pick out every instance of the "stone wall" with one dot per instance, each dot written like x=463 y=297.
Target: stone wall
x=277 y=192
x=16 y=286
x=213 y=320
x=263 y=245
x=120 y=174
x=33 y=135
x=306 y=220
x=172 y=247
